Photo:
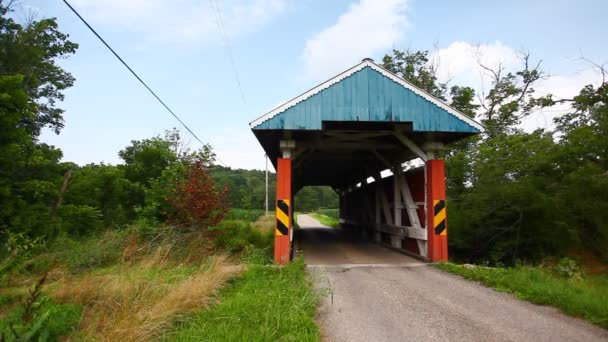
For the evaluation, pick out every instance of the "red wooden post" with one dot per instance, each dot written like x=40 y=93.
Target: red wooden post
x=283 y=212
x=437 y=227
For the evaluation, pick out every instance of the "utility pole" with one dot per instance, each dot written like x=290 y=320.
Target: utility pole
x=266 y=158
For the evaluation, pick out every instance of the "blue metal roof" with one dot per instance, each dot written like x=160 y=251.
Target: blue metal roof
x=367 y=93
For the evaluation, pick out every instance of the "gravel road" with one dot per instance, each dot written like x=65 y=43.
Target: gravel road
x=375 y=294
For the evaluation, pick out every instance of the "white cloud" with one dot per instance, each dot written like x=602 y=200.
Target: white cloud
x=564 y=86
x=459 y=64
x=183 y=21
x=366 y=29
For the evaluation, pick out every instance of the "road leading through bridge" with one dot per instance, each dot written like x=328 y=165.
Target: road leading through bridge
x=329 y=246
x=379 y=295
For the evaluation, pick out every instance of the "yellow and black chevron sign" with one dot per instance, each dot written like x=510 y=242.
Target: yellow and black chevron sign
x=282 y=213
x=440 y=213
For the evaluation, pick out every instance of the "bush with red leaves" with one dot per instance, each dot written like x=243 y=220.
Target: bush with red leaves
x=196 y=200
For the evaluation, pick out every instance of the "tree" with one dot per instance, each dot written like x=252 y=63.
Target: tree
x=144 y=160
x=195 y=200
x=30 y=84
x=511 y=97
x=32 y=51
x=583 y=164
x=414 y=66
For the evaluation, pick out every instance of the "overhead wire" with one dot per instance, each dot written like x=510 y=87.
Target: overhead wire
x=139 y=78
x=226 y=40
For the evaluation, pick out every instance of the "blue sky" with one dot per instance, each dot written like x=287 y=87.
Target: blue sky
x=282 y=48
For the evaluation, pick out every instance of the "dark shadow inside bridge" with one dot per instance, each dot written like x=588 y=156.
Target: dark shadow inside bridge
x=321 y=245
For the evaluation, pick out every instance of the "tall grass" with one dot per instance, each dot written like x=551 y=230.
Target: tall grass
x=265 y=304
x=585 y=297
x=141 y=301
x=137 y=284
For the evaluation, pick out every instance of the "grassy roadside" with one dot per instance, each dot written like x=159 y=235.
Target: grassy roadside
x=266 y=304
x=145 y=284
x=573 y=293
x=327 y=217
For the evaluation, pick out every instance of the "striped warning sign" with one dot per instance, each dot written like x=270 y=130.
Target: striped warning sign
x=440 y=214
x=282 y=213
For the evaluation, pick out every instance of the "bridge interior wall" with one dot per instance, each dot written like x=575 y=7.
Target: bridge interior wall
x=391 y=210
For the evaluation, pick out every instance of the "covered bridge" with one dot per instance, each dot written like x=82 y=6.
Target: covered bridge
x=345 y=133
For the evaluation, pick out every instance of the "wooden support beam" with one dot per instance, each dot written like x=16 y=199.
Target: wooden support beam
x=386 y=207
x=382 y=159
x=397 y=204
x=412 y=211
x=411 y=145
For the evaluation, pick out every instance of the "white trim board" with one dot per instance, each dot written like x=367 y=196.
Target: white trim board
x=351 y=71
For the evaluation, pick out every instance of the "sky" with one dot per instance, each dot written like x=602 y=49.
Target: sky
x=221 y=64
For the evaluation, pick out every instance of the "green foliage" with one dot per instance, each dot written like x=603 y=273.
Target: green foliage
x=567 y=268
x=18 y=247
x=236 y=236
x=145 y=160
x=265 y=304
x=333 y=213
x=81 y=254
x=315 y=197
x=38 y=318
x=246 y=188
x=329 y=221
x=583 y=297
x=32 y=50
x=105 y=187
x=414 y=67
x=79 y=219
x=250 y=215
x=510 y=208
x=31 y=83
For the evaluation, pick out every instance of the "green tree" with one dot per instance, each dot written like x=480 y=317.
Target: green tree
x=31 y=83
x=415 y=67
x=144 y=160
x=583 y=165
x=106 y=188
x=32 y=51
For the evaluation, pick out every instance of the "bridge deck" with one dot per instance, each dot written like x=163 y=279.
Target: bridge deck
x=333 y=246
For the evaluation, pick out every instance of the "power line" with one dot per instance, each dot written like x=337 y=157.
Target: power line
x=138 y=78
x=226 y=40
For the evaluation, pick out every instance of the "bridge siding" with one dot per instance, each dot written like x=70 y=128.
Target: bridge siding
x=367 y=95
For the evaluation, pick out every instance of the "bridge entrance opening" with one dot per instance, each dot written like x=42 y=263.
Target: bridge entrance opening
x=322 y=245
x=361 y=133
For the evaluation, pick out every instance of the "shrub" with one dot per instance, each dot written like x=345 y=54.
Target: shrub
x=236 y=235
x=79 y=219
x=195 y=199
x=38 y=318
x=90 y=252
x=250 y=215
x=567 y=268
